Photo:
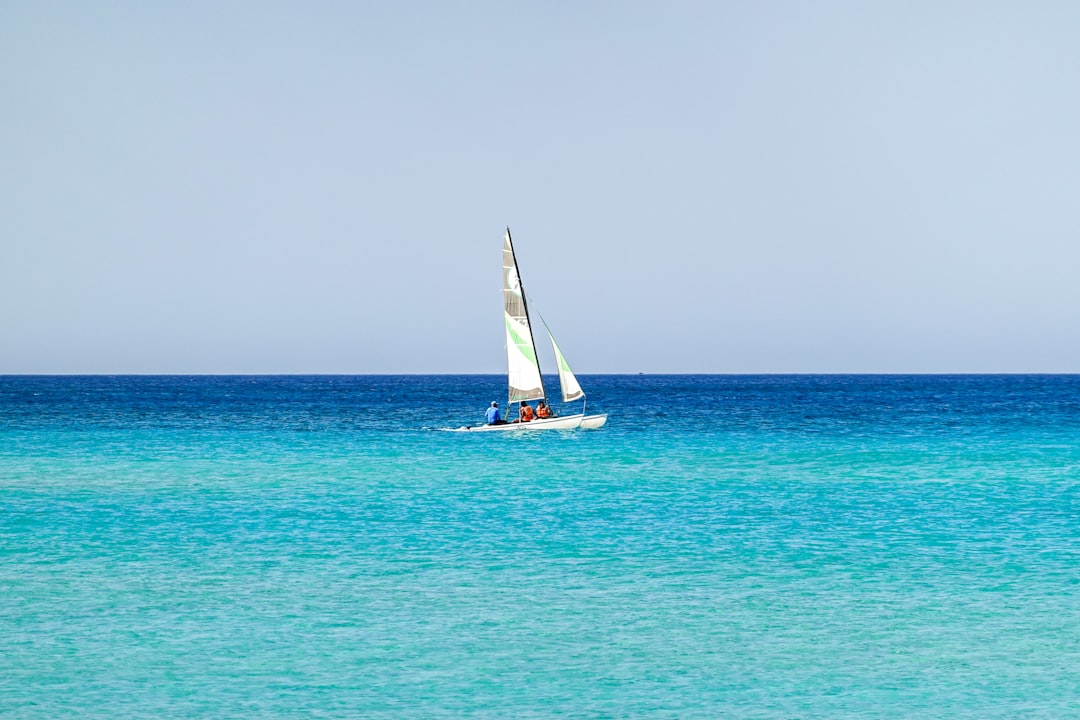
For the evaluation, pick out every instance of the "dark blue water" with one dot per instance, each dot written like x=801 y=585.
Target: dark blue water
x=744 y=546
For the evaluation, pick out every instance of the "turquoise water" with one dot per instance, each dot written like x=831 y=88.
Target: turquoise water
x=759 y=547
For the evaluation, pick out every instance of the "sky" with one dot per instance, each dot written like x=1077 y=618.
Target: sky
x=713 y=187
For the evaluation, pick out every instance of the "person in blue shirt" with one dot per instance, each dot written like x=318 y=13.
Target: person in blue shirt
x=493 y=416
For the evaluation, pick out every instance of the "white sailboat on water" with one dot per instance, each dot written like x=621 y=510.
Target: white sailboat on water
x=526 y=382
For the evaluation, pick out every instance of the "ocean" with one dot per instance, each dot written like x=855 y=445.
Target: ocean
x=727 y=546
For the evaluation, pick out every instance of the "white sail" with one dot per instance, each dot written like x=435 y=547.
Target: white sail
x=525 y=380
x=571 y=390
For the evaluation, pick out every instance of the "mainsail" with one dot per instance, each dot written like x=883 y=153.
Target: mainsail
x=525 y=380
x=571 y=390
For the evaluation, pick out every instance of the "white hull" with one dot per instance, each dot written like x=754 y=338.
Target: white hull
x=570 y=422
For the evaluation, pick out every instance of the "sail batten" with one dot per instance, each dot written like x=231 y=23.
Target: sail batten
x=525 y=380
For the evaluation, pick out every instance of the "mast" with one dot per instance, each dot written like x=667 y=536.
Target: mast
x=525 y=304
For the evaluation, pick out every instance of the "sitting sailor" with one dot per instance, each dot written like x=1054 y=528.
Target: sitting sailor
x=526 y=413
x=543 y=410
x=492 y=414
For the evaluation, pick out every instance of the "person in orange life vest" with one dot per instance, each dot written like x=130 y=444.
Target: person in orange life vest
x=526 y=412
x=543 y=410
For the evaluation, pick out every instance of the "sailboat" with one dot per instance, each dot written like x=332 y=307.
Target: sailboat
x=526 y=382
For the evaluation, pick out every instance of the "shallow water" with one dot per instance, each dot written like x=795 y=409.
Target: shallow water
x=777 y=546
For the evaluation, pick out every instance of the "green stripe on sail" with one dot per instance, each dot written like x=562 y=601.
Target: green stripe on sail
x=523 y=345
x=563 y=366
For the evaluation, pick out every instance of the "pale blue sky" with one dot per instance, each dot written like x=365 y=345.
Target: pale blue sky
x=692 y=187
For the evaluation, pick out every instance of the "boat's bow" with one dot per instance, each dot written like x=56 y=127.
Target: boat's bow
x=591 y=422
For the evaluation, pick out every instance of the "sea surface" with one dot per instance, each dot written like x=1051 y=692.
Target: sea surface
x=727 y=546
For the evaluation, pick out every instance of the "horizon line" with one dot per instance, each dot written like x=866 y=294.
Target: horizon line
x=499 y=374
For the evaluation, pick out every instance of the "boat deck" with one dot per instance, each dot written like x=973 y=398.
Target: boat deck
x=569 y=422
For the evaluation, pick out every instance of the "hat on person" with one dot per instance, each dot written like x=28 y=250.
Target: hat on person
x=494 y=404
